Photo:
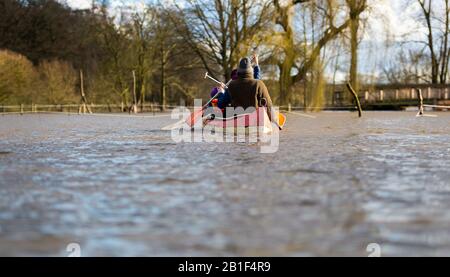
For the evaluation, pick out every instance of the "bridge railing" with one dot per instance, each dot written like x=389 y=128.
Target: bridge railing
x=403 y=94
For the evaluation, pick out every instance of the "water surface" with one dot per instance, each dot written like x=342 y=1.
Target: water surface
x=120 y=186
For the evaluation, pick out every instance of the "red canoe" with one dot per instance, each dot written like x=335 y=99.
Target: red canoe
x=258 y=121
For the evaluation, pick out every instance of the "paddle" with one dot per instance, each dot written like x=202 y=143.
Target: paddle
x=194 y=116
x=281 y=120
x=199 y=113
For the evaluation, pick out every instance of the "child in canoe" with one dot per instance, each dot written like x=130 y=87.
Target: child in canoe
x=214 y=93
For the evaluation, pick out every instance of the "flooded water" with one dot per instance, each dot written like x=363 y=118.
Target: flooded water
x=121 y=187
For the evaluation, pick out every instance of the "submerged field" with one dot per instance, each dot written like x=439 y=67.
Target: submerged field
x=120 y=186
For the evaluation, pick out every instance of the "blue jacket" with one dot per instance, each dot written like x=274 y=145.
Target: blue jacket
x=225 y=98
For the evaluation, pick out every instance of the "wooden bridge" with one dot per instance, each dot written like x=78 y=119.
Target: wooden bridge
x=399 y=97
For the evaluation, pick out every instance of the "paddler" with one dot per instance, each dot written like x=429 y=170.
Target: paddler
x=224 y=100
x=246 y=91
x=213 y=94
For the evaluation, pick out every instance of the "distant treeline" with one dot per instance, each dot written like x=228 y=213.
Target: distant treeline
x=303 y=46
x=45 y=44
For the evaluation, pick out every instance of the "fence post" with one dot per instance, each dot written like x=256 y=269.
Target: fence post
x=289 y=107
x=356 y=98
x=84 y=106
x=134 y=109
x=81 y=109
x=420 y=96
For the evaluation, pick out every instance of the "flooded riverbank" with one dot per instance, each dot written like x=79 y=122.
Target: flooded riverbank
x=121 y=186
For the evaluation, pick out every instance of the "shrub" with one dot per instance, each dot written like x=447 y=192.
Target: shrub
x=59 y=80
x=18 y=78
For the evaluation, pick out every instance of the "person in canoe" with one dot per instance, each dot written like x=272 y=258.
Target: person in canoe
x=224 y=100
x=214 y=92
x=246 y=91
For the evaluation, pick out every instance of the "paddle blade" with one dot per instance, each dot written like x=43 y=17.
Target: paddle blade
x=281 y=119
x=194 y=117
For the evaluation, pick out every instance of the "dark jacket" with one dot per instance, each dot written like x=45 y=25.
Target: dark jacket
x=247 y=92
x=225 y=98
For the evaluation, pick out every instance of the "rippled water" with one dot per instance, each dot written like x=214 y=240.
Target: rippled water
x=120 y=186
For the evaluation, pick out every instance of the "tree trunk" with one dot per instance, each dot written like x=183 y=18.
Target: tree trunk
x=285 y=80
x=430 y=44
x=354 y=26
x=445 y=49
x=142 y=95
x=163 y=79
x=134 y=107
x=84 y=106
x=356 y=98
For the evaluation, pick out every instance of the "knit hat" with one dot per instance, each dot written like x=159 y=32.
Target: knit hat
x=214 y=91
x=245 y=67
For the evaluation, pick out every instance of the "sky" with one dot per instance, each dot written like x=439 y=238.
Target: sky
x=395 y=20
x=79 y=4
x=396 y=13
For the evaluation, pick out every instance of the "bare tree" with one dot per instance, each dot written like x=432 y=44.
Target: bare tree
x=116 y=48
x=330 y=27
x=220 y=30
x=408 y=67
x=439 y=59
x=142 y=36
x=287 y=44
x=445 y=49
